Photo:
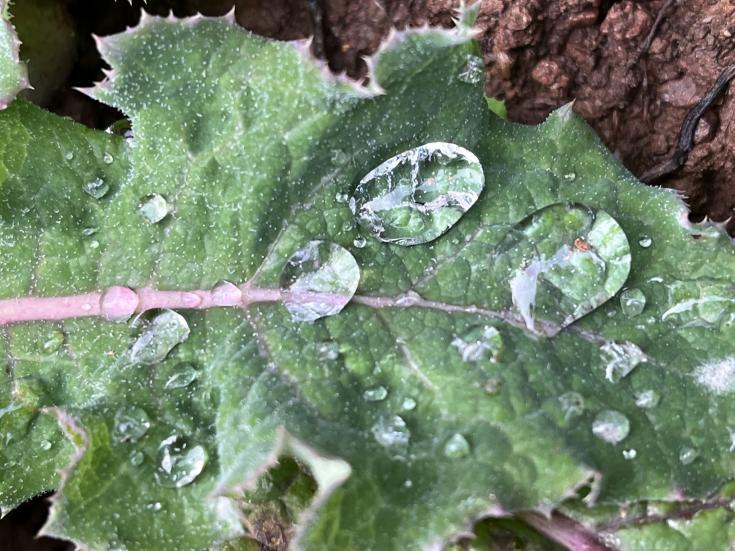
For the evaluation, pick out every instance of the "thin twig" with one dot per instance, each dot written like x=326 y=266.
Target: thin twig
x=688 y=127
x=646 y=44
x=565 y=531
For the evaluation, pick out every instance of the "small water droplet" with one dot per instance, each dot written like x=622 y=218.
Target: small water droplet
x=54 y=341
x=473 y=71
x=178 y=464
x=620 y=358
x=319 y=280
x=687 y=455
x=391 y=432
x=153 y=208
x=408 y=484
x=570 y=176
x=408 y=404
x=327 y=351
x=94 y=244
x=572 y=404
x=416 y=196
x=69 y=155
x=342 y=197
x=158 y=338
x=456 y=447
x=108 y=159
x=630 y=454
x=645 y=241
x=130 y=424
x=96 y=188
x=46 y=445
x=492 y=386
x=478 y=343
x=647 y=399
x=611 y=426
x=632 y=302
x=359 y=242
x=155 y=506
x=86 y=232
x=377 y=394
x=183 y=375
x=136 y=458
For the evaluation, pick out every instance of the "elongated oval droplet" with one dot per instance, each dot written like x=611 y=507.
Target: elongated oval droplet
x=418 y=195
x=562 y=262
x=319 y=280
x=179 y=464
x=158 y=338
x=183 y=375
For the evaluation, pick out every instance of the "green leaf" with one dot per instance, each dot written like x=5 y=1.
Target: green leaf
x=13 y=73
x=463 y=377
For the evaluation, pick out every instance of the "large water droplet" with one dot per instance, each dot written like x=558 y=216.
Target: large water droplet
x=647 y=399
x=157 y=339
x=687 y=455
x=473 y=71
x=418 y=195
x=562 y=262
x=632 y=302
x=183 y=375
x=96 y=188
x=478 y=343
x=620 y=358
x=391 y=432
x=178 y=464
x=130 y=424
x=377 y=394
x=701 y=303
x=456 y=447
x=153 y=208
x=319 y=280
x=611 y=426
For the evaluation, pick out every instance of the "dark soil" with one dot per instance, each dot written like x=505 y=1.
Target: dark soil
x=633 y=80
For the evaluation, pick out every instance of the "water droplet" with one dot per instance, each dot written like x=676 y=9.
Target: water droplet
x=620 y=358
x=647 y=399
x=572 y=404
x=118 y=303
x=408 y=404
x=478 y=343
x=155 y=506
x=107 y=158
x=328 y=350
x=630 y=454
x=473 y=71
x=359 y=242
x=226 y=294
x=54 y=341
x=717 y=376
x=632 y=302
x=130 y=424
x=157 y=339
x=69 y=155
x=645 y=241
x=94 y=244
x=456 y=447
x=687 y=455
x=86 y=232
x=319 y=280
x=96 y=188
x=391 y=432
x=342 y=197
x=377 y=394
x=492 y=386
x=418 y=195
x=562 y=262
x=153 y=208
x=178 y=464
x=46 y=445
x=611 y=426
x=339 y=157
x=183 y=376
x=136 y=458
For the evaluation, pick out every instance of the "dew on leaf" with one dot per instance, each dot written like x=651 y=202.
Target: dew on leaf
x=473 y=71
x=327 y=350
x=319 y=280
x=183 y=375
x=177 y=463
x=86 y=232
x=562 y=262
x=479 y=343
x=46 y=445
x=155 y=506
x=630 y=454
x=225 y=293
x=136 y=458
x=158 y=338
x=419 y=194
x=611 y=426
x=118 y=303
x=359 y=242
x=342 y=197
x=96 y=188
x=377 y=394
x=620 y=358
x=645 y=241
x=687 y=455
x=408 y=404
x=572 y=404
x=456 y=447
x=130 y=424
x=492 y=386
x=53 y=341
x=69 y=155
x=717 y=376
x=632 y=302
x=647 y=399
x=108 y=159
x=391 y=432
x=153 y=208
